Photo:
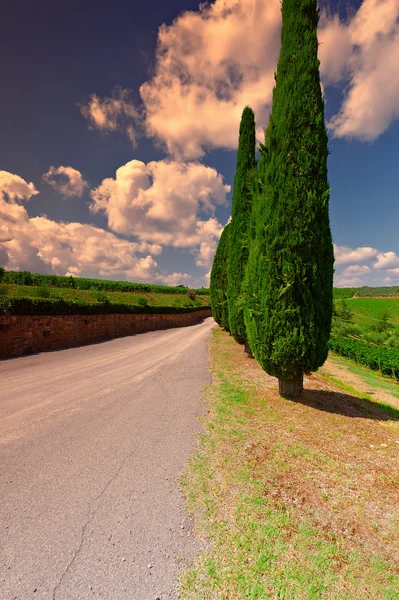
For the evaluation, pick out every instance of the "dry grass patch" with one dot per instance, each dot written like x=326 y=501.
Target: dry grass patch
x=300 y=499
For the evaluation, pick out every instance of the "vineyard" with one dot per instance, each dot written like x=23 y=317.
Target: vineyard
x=366 y=329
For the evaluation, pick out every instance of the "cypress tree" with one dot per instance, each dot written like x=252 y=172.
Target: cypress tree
x=290 y=269
x=218 y=282
x=241 y=212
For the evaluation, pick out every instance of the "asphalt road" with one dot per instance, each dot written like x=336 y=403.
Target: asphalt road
x=92 y=443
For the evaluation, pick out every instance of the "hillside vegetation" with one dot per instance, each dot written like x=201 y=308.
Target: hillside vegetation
x=83 y=283
x=367 y=292
x=367 y=331
x=44 y=294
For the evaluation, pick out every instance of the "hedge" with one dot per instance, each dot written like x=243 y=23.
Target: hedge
x=41 y=306
x=82 y=283
x=378 y=358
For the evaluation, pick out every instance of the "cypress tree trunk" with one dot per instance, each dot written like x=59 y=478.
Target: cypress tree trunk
x=291 y=388
x=247 y=349
x=290 y=267
x=240 y=216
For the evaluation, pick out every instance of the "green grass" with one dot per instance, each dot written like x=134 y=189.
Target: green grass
x=70 y=294
x=375 y=307
x=258 y=458
x=374 y=320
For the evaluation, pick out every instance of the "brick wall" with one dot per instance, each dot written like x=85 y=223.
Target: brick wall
x=27 y=334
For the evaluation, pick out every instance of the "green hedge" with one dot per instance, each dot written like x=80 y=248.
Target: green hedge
x=378 y=358
x=41 y=306
x=82 y=283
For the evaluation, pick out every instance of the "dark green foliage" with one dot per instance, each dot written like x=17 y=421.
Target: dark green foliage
x=82 y=283
x=43 y=291
x=218 y=285
x=39 y=306
x=343 y=311
x=142 y=301
x=102 y=297
x=290 y=269
x=378 y=358
x=239 y=228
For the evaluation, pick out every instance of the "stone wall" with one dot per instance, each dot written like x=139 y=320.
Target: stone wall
x=27 y=334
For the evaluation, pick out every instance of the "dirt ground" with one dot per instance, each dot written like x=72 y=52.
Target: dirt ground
x=344 y=475
x=339 y=371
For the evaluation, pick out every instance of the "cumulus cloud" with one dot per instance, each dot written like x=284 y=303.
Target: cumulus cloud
x=116 y=113
x=382 y=268
x=165 y=202
x=365 y=49
x=40 y=244
x=207 y=69
x=387 y=260
x=342 y=281
x=345 y=255
x=66 y=180
x=354 y=270
x=15 y=188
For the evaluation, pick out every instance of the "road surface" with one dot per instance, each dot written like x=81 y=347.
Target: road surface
x=92 y=442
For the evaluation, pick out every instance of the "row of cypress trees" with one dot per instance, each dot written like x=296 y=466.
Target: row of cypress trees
x=272 y=277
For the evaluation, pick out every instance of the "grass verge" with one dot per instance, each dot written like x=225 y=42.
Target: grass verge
x=299 y=499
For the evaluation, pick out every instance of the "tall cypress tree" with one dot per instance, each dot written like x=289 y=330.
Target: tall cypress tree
x=218 y=283
x=290 y=268
x=241 y=212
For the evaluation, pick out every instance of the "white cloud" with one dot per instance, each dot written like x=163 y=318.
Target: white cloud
x=342 y=281
x=387 y=260
x=345 y=255
x=366 y=49
x=66 y=180
x=165 y=202
x=116 y=113
x=354 y=270
x=42 y=245
x=15 y=188
x=209 y=65
x=382 y=268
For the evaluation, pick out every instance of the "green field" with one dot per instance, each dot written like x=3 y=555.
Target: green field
x=375 y=307
x=375 y=320
x=367 y=330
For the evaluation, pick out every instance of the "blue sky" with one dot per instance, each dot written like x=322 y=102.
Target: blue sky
x=119 y=124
